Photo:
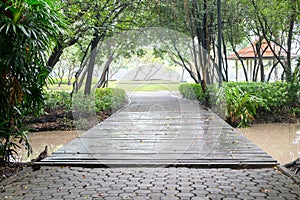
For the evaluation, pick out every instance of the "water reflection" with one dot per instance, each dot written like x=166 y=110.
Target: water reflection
x=281 y=141
x=53 y=139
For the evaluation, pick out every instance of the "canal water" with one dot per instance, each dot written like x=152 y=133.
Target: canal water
x=53 y=139
x=281 y=141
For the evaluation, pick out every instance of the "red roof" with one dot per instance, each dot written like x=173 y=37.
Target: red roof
x=265 y=50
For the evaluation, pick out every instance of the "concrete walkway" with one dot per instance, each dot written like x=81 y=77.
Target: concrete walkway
x=160 y=182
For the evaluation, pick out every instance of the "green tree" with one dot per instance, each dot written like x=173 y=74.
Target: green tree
x=68 y=64
x=28 y=29
x=198 y=20
x=271 y=21
x=104 y=19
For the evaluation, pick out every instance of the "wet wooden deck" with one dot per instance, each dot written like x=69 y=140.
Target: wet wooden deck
x=161 y=130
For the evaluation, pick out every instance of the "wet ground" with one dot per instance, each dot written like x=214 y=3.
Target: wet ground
x=150 y=183
x=281 y=141
x=161 y=129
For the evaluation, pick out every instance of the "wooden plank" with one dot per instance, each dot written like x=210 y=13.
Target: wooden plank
x=222 y=164
x=182 y=134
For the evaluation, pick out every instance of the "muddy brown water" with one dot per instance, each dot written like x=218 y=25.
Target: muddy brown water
x=53 y=139
x=281 y=141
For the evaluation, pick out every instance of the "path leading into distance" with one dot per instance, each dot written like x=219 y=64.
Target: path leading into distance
x=161 y=129
x=159 y=147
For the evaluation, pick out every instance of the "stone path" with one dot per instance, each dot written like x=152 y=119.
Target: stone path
x=151 y=183
x=154 y=182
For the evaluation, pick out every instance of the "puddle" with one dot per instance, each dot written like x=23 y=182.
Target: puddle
x=53 y=139
x=281 y=141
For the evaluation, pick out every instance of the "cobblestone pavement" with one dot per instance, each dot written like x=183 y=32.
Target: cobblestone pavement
x=150 y=183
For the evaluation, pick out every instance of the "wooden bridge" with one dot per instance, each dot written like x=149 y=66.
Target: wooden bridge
x=161 y=130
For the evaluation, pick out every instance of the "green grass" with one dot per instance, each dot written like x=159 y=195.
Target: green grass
x=63 y=87
x=148 y=86
x=136 y=86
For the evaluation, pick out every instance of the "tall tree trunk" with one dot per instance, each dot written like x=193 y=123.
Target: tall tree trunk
x=200 y=35
x=89 y=78
x=79 y=80
x=225 y=59
x=102 y=80
x=289 y=41
x=69 y=77
x=194 y=50
x=203 y=35
x=55 y=55
x=219 y=42
x=255 y=65
x=272 y=69
x=260 y=60
x=81 y=72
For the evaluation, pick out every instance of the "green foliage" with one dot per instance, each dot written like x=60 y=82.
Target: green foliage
x=246 y=101
x=55 y=99
x=28 y=30
x=278 y=98
x=194 y=91
x=191 y=91
x=241 y=106
x=83 y=106
x=18 y=139
x=275 y=94
x=86 y=108
x=109 y=98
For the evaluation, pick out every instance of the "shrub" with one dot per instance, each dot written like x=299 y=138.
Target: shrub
x=241 y=106
x=194 y=91
x=275 y=95
x=191 y=91
x=109 y=98
x=245 y=101
x=103 y=100
x=55 y=99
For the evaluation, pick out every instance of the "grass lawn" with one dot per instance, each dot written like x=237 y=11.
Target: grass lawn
x=141 y=86
x=63 y=87
x=144 y=86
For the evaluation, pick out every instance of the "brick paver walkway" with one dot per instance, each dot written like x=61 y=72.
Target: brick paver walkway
x=151 y=183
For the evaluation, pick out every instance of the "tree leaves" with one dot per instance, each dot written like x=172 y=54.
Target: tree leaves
x=34 y=2
x=27 y=33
